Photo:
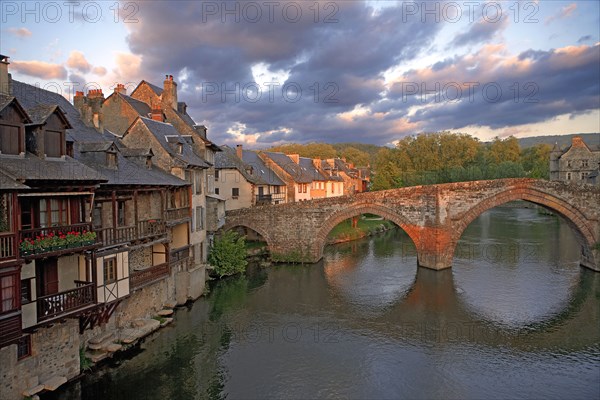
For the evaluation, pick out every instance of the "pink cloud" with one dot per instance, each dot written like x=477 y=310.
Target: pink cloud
x=40 y=69
x=100 y=71
x=564 y=12
x=77 y=61
x=20 y=32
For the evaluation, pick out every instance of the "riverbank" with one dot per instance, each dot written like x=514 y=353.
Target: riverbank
x=345 y=232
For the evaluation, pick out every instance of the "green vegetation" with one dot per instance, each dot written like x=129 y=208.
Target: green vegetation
x=359 y=154
x=365 y=227
x=161 y=320
x=85 y=364
x=254 y=244
x=449 y=157
x=228 y=254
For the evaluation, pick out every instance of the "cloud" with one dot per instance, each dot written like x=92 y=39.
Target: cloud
x=40 y=69
x=100 y=71
x=20 y=32
x=583 y=39
x=564 y=12
x=78 y=62
x=481 y=31
x=128 y=66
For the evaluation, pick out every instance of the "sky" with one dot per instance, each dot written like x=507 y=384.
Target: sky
x=263 y=73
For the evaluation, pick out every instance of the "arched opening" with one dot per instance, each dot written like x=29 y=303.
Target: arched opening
x=573 y=218
x=517 y=256
x=257 y=242
x=367 y=275
x=354 y=215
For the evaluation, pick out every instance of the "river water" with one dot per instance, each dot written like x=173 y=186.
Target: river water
x=516 y=317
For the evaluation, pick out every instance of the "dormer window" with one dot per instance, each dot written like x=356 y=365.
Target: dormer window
x=53 y=143
x=179 y=148
x=149 y=162
x=10 y=139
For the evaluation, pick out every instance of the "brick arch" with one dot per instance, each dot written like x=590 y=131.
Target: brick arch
x=231 y=225
x=575 y=218
x=364 y=208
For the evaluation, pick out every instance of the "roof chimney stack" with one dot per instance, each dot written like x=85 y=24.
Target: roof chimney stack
x=4 y=76
x=169 y=95
x=239 y=150
x=120 y=88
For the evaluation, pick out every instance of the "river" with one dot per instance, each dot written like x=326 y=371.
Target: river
x=515 y=317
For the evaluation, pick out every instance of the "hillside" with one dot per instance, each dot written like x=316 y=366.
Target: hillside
x=562 y=140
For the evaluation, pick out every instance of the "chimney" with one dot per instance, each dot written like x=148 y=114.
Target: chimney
x=79 y=101
x=331 y=162
x=169 y=95
x=239 y=151
x=577 y=141
x=295 y=158
x=4 y=76
x=120 y=88
x=157 y=114
x=95 y=98
x=316 y=163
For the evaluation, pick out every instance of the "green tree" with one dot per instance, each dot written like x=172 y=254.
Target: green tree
x=310 y=150
x=535 y=161
x=357 y=157
x=505 y=150
x=228 y=254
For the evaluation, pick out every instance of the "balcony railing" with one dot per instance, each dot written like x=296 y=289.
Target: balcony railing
x=126 y=234
x=179 y=254
x=270 y=198
x=140 y=278
x=174 y=214
x=63 y=303
x=74 y=246
x=8 y=245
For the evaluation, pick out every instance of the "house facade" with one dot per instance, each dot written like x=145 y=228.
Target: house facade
x=576 y=163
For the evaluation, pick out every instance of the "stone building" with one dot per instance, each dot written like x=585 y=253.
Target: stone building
x=243 y=179
x=575 y=163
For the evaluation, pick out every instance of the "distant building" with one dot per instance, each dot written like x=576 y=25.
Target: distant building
x=577 y=163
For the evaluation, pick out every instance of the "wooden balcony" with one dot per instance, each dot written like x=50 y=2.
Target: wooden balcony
x=266 y=199
x=150 y=229
x=68 y=302
x=8 y=246
x=75 y=247
x=141 y=278
x=175 y=214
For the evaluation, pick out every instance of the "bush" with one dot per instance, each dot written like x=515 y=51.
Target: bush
x=228 y=254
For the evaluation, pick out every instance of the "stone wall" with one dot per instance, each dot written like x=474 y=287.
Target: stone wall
x=55 y=352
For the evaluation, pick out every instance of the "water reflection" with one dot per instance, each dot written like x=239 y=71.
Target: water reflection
x=366 y=323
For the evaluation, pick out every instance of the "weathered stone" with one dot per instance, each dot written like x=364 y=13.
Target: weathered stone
x=111 y=348
x=33 y=390
x=167 y=321
x=170 y=304
x=433 y=216
x=165 y=313
x=102 y=338
x=97 y=356
x=54 y=382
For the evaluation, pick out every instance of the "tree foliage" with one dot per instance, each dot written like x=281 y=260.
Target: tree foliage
x=228 y=254
x=449 y=157
x=357 y=157
x=310 y=150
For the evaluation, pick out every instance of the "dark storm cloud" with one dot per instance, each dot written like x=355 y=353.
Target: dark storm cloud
x=337 y=62
x=535 y=86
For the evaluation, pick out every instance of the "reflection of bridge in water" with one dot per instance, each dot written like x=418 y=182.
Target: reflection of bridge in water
x=434 y=217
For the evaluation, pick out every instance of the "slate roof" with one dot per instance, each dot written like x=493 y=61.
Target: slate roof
x=30 y=167
x=307 y=166
x=294 y=170
x=88 y=139
x=40 y=113
x=8 y=183
x=5 y=101
x=140 y=107
x=260 y=168
x=165 y=134
x=156 y=89
x=227 y=158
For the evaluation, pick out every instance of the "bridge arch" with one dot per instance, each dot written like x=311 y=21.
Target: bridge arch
x=363 y=208
x=584 y=233
x=240 y=224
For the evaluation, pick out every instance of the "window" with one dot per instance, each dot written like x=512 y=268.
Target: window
x=8 y=293
x=53 y=143
x=121 y=213
x=304 y=188
x=569 y=163
x=110 y=270
x=235 y=192
x=199 y=218
x=97 y=216
x=217 y=175
x=193 y=226
x=583 y=176
x=53 y=212
x=111 y=160
x=198 y=182
x=584 y=163
x=24 y=347
x=568 y=176
x=216 y=190
x=26 y=291
x=70 y=151
x=9 y=139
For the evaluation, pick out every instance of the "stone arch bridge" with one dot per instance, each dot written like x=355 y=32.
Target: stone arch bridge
x=433 y=216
